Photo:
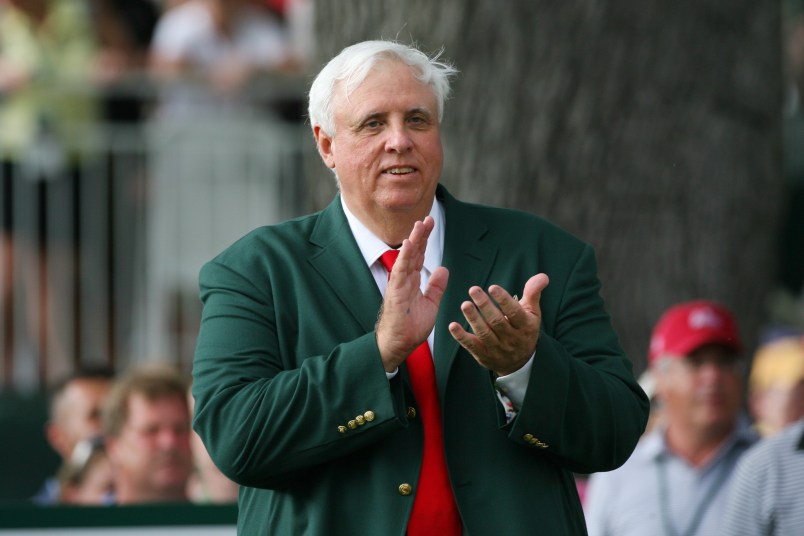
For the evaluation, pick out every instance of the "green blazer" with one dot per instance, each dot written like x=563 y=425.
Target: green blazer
x=287 y=357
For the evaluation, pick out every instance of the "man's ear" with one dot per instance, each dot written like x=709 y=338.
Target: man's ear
x=56 y=437
x=661 y=382
x=324 y=143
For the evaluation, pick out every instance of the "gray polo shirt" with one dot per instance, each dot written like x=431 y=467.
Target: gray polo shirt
x=767 y=492
x=657 y=493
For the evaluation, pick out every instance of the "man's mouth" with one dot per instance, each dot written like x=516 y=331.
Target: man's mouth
x=402 y=170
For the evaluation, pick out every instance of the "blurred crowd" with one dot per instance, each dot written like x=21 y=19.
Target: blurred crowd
x=127 y=439
x=58 y=56
x=718 y=456
x=70 y=70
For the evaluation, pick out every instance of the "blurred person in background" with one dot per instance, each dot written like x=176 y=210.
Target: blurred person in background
x=205 y=55
x=207 y=484
x=47 y=52
x=146 y=423
x=124 y=29
x=87 y=478
x=675 y=482
x=298 y=18
x=776 y=384
x=75 y=416
x=217 y=146
x=766 y=497
x=47 y=116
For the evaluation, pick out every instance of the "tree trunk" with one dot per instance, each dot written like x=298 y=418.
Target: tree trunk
x=649 y=129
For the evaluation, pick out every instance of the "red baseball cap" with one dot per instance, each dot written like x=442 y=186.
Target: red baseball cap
x=685 y=327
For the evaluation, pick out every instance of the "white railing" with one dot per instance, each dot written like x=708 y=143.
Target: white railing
x=101 y=266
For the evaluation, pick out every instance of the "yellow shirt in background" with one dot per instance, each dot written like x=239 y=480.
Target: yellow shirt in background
x=57 y=58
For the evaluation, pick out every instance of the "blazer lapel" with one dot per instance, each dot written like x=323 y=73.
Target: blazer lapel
x=341 y=265
x=469 y=260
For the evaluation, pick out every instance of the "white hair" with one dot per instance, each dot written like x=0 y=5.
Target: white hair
x=354 y=63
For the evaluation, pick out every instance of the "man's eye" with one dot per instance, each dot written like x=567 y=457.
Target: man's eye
x=372 y=124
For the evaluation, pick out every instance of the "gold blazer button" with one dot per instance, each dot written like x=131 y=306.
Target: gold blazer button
x=360 y=420
x=411 y=412
x=405 y=489
x=342 y=429
x=369 y=415
x=352 y=424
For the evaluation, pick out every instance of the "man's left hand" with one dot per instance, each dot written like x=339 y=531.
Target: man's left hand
x=505 y=337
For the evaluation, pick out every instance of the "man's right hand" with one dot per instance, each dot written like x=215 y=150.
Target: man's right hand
x=408 y=315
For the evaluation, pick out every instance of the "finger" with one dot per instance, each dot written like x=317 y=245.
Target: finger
x=402 y=263
x=479 y=326
x=406 y=263
x=464 y=338
x=510 y=306
x=421 y=232
x=429 y=224
x=419 y=236
x=411 y=254
x=533 y=292
x=490 y=311
x=436 y=285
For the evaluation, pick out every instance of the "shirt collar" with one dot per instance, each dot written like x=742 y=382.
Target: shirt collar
x=371 y=247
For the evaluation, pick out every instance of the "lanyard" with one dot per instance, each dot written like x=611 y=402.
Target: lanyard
x=700 y=510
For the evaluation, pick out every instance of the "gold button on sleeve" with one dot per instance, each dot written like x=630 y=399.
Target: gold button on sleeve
x=360 y=420
x=352 y=424
x=342 y=429
x=405 y=489
x=369 y=415
x=528 y=438
x=411 y=412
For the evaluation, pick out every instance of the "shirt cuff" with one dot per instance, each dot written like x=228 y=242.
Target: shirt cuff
x=515 y=385
x=392 y=375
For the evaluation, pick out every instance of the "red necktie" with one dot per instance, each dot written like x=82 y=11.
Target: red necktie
x=434 y=509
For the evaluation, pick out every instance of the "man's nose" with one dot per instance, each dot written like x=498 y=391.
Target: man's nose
x=398 y=140
x=170 y=438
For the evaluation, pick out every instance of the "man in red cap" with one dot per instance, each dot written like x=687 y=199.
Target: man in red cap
x=675 y=481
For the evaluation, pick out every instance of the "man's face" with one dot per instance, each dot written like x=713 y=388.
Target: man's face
x=387 y=147
x=152 y=451
x=778 y=406
x=78 y=415
x=702 y=392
